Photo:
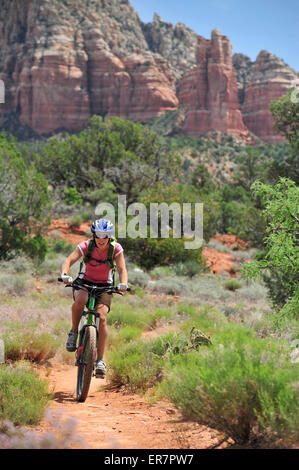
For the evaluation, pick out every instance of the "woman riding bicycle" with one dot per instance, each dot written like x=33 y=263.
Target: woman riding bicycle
x=100 y=255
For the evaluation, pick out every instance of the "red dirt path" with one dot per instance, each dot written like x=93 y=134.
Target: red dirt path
x=115 y=419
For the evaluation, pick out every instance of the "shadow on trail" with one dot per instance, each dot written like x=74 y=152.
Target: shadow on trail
x=64 y=397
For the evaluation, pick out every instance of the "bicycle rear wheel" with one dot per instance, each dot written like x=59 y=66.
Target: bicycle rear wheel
x=86 y=362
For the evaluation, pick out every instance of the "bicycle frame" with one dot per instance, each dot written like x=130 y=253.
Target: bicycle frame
x=90 y=313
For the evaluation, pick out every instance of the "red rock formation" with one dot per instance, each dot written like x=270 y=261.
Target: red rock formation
x=231 y=241
x=62 y=62
x=269 y=79
x=210 y=90
x=53 y=94
x=137 y=87
x=218 y=262
x=60 y=69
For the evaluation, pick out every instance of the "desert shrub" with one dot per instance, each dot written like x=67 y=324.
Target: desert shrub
x=119 y=336
x=170 y=344
x=15 y=284
x=52 y=266
x=189 y=268
x=76 y=221
x=20 y=264
x=208 y=288
x=242 y=385
x=161 y=313
x=60 y=327
x=253 y=291
x=207 y=319
x=138 y=277
x=128 y=333
x=169 y=285
x=135 y=366
x=232 y=284
x=123 y=315
x=25 y=341
x=139 y=365
x=23 y=396
x=161 y=271
x=59 y=245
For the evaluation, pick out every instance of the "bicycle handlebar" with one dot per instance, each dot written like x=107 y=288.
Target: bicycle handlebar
x=111 y=289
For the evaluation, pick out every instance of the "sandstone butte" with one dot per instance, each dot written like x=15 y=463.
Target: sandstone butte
x=61 y=64
x=269 y=79
x=210 y=90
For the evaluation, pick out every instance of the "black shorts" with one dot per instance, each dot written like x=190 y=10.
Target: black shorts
x=105 y=298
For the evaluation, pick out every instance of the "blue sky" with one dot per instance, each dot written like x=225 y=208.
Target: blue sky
x=251 y=25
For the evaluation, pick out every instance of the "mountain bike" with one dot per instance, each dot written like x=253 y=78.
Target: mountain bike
x=86 y=351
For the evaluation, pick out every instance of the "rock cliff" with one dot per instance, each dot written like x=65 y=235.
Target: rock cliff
x=61 y=62
x=210 y=90
x=64 y=60
x=178 y=45
x=267 y=79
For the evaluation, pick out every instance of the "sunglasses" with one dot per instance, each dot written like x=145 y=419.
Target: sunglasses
x=102 y=235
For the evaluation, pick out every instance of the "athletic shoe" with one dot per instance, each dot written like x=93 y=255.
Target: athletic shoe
x=72 y=341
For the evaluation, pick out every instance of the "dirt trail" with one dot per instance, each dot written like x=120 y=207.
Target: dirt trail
x=115 y=419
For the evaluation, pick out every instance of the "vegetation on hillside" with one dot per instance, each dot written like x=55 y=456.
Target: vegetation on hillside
x=24 y=204
x=242 y=378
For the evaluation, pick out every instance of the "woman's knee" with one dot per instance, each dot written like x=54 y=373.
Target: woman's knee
x=103 y=311
x=80 y=298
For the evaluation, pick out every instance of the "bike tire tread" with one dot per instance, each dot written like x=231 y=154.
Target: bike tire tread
x=90 y=341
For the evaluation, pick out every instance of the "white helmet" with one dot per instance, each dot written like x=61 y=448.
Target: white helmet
x=102 y=226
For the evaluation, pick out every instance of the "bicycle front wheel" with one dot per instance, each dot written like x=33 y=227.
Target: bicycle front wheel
x=86 y=362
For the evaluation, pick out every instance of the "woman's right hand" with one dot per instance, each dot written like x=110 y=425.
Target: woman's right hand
x=66 y=278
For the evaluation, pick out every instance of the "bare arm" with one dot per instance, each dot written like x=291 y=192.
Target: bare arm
x=75 y=256
x=121 y=268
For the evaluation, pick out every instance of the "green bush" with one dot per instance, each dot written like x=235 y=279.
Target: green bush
x=243 y=386
x=135 y=365
x=140 y=364
x=59 y=245
x=24 y=204
x=189 y=268
x=279 y=262
x=161 y=271
x=71 y=196
x=232 y=284
x=151 y=252
x=124 y=316
x=23 y=396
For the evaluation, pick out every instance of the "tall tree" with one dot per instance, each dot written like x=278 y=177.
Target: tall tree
x=24 y=204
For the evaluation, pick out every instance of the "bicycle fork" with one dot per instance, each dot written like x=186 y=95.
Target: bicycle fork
x=81 y=334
